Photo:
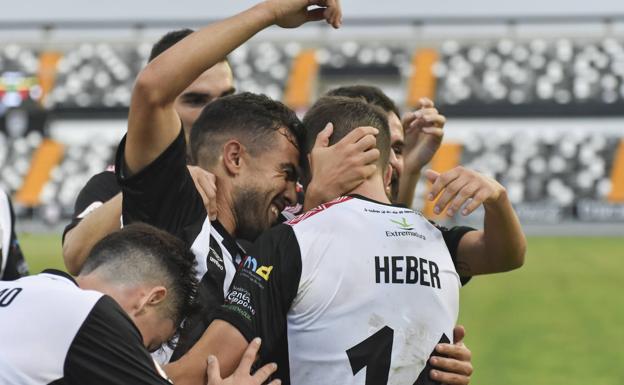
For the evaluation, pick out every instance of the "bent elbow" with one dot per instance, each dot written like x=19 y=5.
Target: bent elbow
x=517 y=256
x=148 y=90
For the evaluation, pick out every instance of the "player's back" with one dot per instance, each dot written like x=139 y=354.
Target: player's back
x=48 y=308
x=378 y=290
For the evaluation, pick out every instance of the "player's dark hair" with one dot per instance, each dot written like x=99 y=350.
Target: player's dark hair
x=371 y=94
x=169 y=40
x=249 y=118
x=346 y=114
x=143 y=253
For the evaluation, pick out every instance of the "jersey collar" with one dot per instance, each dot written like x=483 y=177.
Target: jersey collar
x=358 y=196
x=60 y=274
x=228 y=241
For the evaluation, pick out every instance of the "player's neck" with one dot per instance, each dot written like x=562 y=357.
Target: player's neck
x=372 y=188
x=225 y=211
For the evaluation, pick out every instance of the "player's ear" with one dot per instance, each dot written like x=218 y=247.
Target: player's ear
x=154 y=297
x=232 y=156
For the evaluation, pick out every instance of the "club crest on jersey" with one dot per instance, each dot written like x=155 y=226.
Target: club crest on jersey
x=250 y=263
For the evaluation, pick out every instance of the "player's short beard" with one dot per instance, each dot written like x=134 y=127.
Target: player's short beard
x=394 y=186
x=249 y=212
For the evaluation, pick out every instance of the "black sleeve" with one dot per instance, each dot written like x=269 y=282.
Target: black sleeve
x=16 y=266
x=99 y=189
x=264 y=287
x=108 y=349
x=163 y=193
x=452 y=237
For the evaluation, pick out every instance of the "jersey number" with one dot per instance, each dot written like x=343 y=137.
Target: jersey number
x=8 y=295
x=375 y=354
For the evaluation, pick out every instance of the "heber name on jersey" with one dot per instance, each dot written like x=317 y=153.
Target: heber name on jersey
x=406 y=269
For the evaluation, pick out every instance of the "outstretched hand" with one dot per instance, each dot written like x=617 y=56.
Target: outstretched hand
x=461 y=186
x=293 y=13
x=242 y=375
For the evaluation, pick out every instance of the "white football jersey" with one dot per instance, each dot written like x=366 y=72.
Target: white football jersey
x=353 y=292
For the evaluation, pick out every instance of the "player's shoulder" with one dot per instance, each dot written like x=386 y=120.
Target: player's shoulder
x=319 y=212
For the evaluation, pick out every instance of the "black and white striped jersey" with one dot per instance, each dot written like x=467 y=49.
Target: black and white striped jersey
x=351 y=285
x=53 y=332
x=12 y=263
x=163 y=194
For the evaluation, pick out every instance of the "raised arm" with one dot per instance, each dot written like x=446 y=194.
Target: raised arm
x=153 y=123
x=424 y=130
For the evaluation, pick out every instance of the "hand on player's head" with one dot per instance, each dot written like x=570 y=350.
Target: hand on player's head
x=242 y=375
x=293 y=13
x=343 y=166
x=205 y=183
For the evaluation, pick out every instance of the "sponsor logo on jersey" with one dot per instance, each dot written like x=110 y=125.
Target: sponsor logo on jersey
x=250 y=263
x=403 y=225
x=242 y=299
x=216 y=259
x=405 y=229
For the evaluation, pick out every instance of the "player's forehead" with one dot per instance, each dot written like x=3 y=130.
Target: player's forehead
x=214 y=81
x=285 y=150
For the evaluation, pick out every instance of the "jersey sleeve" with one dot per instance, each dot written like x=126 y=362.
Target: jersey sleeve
x=162 y=194
x=452 y=237
x=108 y=349
x=16 y=266
x=99 y=189
x=264 y=288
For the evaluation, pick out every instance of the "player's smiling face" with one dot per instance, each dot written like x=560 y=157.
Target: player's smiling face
x=269 y=186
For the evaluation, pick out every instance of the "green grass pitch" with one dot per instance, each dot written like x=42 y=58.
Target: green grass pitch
x=557 y=320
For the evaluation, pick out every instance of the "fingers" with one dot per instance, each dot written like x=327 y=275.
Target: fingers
x=357 y=134
x=465 y=193
x=477 y=201
x=434 y=131
x=407 y=119
x=334 y=13
x=452 y=365
x=263 y=374
x=449 y=193
x=424 y=103
x=212 y=371
x=454 y=351
x=449 y=378
x=428 y=117
x=366 y=143
x=442 y=181
x=459 y=332
x=322 y=139
x=316 y=14
x=431 y=175
x=249 y=356
x=370 y=156
x=207 y=188
x=330 y=11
